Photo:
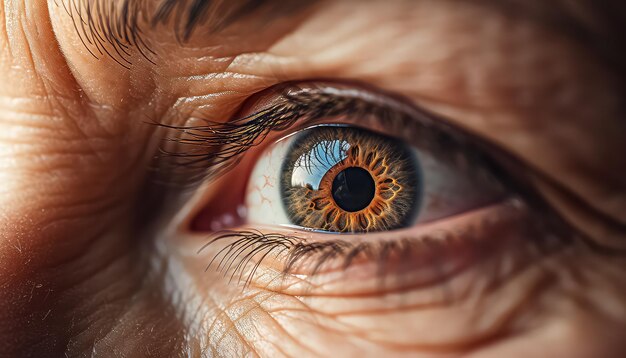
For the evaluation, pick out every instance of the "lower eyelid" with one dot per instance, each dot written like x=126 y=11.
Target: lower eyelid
x=426 y=255
x=452 y=234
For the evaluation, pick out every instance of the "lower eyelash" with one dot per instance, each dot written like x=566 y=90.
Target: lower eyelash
x=241 y=258
x=444 y=253
x=237 y=255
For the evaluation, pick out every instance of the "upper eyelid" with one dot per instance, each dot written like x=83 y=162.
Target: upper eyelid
x=202 y=152
x=518 y=174
x=220 y=144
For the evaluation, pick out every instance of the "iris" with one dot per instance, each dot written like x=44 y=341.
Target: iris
x=347 y=179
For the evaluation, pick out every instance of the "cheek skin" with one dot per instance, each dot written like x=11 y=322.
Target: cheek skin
x=497 y=307
x=492 y=306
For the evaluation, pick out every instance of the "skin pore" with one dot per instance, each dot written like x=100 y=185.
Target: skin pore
x=89 y=265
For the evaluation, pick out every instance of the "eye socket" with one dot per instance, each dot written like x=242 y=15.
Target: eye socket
x=345 y=179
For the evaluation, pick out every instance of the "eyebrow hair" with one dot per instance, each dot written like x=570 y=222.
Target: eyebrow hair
x=221 y=13
x=111 y=28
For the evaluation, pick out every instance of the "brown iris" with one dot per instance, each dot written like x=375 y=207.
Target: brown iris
x=344 y=179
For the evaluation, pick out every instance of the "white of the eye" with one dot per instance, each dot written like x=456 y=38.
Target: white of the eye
x=263 y=197
x=448 y=190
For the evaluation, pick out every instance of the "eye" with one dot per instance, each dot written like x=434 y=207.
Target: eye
x=339 y=178
x=326 y=176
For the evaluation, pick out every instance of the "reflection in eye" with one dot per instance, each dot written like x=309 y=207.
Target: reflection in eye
x=346 y=179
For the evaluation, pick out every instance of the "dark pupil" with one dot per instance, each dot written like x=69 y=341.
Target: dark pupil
x=353 y=189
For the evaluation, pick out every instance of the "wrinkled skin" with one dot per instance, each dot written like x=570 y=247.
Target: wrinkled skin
x=83 y=272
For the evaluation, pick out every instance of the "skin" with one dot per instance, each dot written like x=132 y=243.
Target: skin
x=86 y=267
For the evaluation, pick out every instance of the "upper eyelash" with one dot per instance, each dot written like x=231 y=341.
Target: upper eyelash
x=203 y=152
x=220 y=144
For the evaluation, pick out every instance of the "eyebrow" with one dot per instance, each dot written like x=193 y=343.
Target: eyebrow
x=111 y=28
x=219 y=14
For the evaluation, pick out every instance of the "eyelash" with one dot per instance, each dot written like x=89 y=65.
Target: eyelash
x=246 y=250
x=204 y=152
x=221 y=145
x=236 y=256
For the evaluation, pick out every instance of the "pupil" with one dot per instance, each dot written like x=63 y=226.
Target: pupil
x=353 y=189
